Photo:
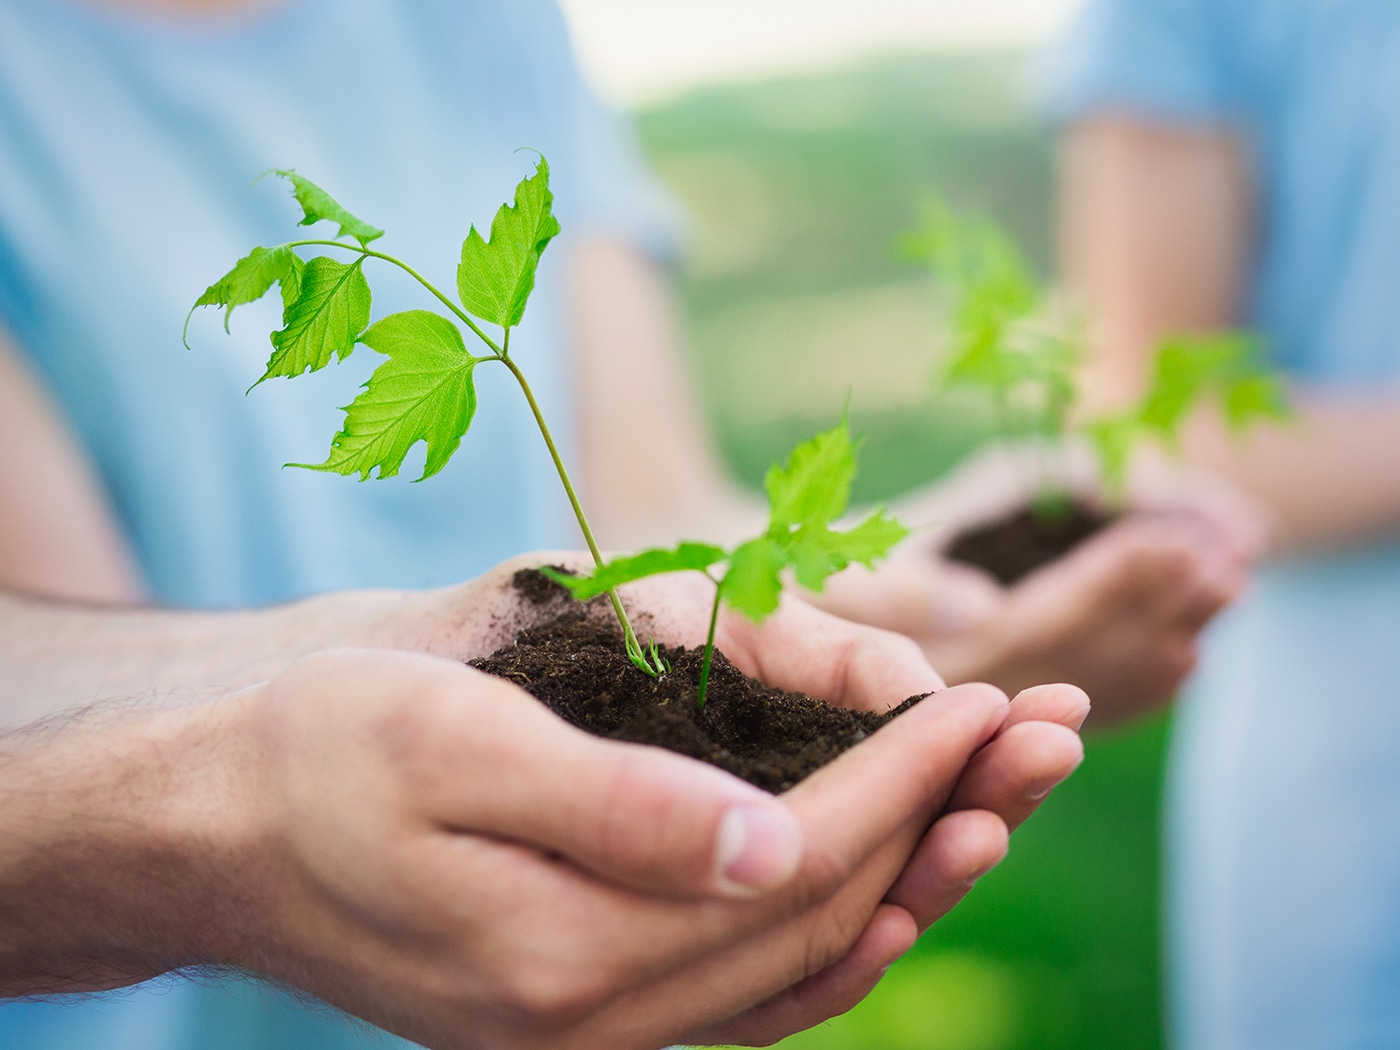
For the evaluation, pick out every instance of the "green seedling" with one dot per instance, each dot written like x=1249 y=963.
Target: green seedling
x=1006 y=338
x=1009 y=341
x=805 y=496
x=425 y=390
x=1223 y=367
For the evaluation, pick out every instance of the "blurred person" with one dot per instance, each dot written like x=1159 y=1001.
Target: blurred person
x=1229 y=163
x=128 y=135
x=428 y=847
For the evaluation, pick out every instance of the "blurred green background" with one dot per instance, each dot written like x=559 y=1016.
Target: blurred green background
x=793 y=295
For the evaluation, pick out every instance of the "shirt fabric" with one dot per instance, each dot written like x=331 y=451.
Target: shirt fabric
x=129 y=146
x=1284 y=780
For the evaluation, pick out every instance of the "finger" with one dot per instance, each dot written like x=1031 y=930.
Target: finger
x=718 y=986
x=1012 y=775
x=1210 y=572
x=827 y=994
x=957 y=851
x=850 y=665
x=1063 y=704
x=905 y=771
x=638 y=816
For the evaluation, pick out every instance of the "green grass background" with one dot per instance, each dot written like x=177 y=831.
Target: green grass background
x=793 y=295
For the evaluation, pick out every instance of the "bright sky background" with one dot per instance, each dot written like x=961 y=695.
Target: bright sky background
x=638 y=51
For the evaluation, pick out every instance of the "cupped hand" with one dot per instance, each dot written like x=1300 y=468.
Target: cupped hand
x=459 y=865
x=1119 y=615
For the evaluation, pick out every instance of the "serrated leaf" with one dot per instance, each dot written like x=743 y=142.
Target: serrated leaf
x=867 y=542
x=325 y=319
x=424 y=392
x=811 y=561
x=318 y=205
x=817 y=553
x=654 y=562
x=250 y=279
x=814 y=486
x=754 y=580
x=495 y=278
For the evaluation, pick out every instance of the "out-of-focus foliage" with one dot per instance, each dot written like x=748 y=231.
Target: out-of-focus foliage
x=796 y=189
x=1223 y=368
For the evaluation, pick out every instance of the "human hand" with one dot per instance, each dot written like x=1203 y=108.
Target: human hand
x=1118 y=616
x=319 y=829
x=545 y=954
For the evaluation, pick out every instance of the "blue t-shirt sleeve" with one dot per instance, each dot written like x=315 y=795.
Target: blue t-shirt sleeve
x=1157 y=58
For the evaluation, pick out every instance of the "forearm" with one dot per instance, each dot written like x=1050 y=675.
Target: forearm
x=117 y=839
x=54 y=656
x=1156 y=225
x=1331 y=476
x=57 y=534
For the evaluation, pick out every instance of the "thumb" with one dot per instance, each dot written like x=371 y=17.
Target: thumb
x=634 y=815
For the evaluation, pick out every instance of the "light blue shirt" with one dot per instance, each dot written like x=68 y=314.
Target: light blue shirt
x=1284 y=809
x=128 y=150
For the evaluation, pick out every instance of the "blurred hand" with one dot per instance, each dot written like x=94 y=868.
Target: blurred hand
x=1118 y=616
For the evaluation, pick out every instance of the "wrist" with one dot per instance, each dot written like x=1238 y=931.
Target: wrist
x=124 y=844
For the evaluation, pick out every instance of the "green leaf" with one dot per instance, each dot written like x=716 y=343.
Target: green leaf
x=317 y=205
x=814 y=486
x=249 y=281
x=872 y=539
x=495 y=278
x=754 y=580
x=424 y=392
x=1256 y=397
x=654 y=562
x=325 y=319
x=817 y=553
x=1112 y=439
x=1188 y=368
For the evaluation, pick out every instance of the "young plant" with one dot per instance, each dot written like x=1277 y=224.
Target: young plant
x=1223 y=367
x=1009 y=341
x=425 y=390
x=1006 y=338
x=805 y=496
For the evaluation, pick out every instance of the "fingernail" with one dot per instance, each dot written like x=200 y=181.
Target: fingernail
x=1040 y=788
x=758 y=848
x=985 y=869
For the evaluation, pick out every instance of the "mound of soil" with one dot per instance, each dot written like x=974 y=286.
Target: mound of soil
x=1017 y=545
x=575 y=664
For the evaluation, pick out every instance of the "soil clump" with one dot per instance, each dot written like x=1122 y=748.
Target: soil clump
x=1017 y=545
x=573 y=662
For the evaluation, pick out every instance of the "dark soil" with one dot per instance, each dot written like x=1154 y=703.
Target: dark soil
x=574 y=662
x=1017 y=545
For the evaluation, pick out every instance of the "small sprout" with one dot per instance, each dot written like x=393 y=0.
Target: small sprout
x=425 y=390
x=805 y=496
x=1008 y=340
x=1226 y=367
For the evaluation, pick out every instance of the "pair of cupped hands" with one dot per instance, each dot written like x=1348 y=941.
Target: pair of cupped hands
x=429 y=848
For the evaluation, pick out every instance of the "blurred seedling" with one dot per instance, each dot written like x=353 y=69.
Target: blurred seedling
x=1226 y=368
x=1009 y=339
